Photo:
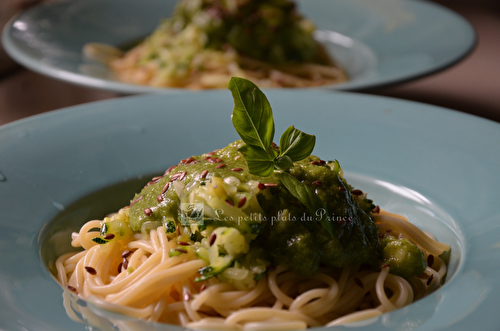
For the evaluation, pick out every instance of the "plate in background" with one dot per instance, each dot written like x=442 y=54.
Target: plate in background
x=438 y=167
x=379 y=42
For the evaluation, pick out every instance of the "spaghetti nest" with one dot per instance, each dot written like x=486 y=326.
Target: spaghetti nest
x=155 y=276
x=206 y=42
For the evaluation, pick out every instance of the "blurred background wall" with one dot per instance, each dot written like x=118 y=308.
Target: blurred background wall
x=471 y=86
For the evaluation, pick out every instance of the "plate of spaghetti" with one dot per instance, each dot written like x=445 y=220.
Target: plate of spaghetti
x=147 y=46
x=153 y=221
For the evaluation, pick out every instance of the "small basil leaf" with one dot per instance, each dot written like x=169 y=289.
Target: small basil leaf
x=283 y=162
x=252 y=114
x=296 y=144
x=259 y=162
x=309 y=199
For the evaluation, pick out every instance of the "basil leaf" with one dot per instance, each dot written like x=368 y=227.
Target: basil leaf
x=296 y=144
x=283 y=162
x=310 y=199
x=259 y=162
x=252 y=114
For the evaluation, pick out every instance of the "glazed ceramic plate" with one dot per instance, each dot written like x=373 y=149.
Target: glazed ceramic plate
x=57 y=170
x=379 y=42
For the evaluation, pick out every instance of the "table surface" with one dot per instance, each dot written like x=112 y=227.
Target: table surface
x=471 y=86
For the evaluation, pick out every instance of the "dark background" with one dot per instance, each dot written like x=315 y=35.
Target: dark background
x=471 y=86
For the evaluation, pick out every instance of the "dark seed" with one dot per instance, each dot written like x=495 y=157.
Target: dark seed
x=182 y=243
x=148 y=212
x=178 y=230
x=136 y=200
x=270 y=184
x=359 y=282
x=125 y=264
x=91 y=270
x=230 y=202
x=376 y=210
x=385 y=266
x=159 y=198
x=242 y=202
x=237 y=169
x=261 y=186
x=109 y=236
x=222 y=165
x=71 y=288
x=126 y=254
x=211 y=159
x=120 y=267
x=165 y=188
x=203 y=174
x=203 y=287
x=187 y=296
x=156 y=178
x=212 y=238
x=429 y=281
x=342 y=189
x=430 y=260
x=317 y=183
x=183 y=175
x=217 y=160
x=181 y=250
x=357 y=192
x=170 y=169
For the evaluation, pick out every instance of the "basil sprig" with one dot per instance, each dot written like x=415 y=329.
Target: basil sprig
x=253 y=120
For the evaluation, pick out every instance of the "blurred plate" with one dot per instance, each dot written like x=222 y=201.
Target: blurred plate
x=379 y=42
x=59 y=169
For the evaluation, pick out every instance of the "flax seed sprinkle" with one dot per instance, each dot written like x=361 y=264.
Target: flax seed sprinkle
x=212 y=238
x=91 y=270
x=71 y=288
x=237 y=169
x=430 y=260
x=222 y=165
x=165 y=188
x=109 y=236
x=148 y=212
x=136 y=200
x=242 y=202
x=204 y=174
x=181 y=250
x=170 y=169
x=359 y=282
x=126 y=254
